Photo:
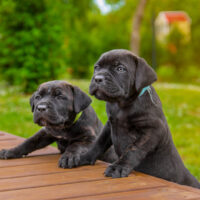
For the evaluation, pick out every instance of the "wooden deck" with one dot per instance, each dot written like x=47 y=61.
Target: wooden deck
x=37 y=177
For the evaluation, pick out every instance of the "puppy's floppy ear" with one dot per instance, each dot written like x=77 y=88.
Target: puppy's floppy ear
x=144 y=75
x=81 y=99
x=32 y=102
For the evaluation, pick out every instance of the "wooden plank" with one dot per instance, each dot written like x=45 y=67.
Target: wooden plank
x=10 y=143
x=84 y=189
x=67 y=177
x=7 y=135
x=39 y=169
x=71 y=176
x=45 y=151
x=163 y=193
x=39 y=178
x=170 y=184
x=29 y=160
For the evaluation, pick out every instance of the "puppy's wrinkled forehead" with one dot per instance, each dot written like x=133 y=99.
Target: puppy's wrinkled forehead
x=52 y=86
x=119 y=56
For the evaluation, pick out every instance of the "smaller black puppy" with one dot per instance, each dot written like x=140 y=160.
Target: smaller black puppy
x=136 y=124
x=55 y=106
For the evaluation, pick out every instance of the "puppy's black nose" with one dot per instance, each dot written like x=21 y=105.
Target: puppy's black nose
x=42 y=108
x=99 y=78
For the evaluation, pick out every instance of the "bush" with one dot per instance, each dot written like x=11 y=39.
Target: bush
x=30 y=42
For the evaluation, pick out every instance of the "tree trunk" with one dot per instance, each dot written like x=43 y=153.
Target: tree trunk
x=137 y=20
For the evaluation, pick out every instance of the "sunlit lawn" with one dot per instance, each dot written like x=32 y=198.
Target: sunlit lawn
x=181 y=105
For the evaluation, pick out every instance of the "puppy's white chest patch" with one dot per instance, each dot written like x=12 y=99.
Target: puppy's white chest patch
x=59 y=137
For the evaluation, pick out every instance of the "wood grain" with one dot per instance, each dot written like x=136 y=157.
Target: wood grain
x=38 y=177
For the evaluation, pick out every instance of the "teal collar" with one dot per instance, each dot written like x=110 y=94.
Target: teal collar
x=147 y=88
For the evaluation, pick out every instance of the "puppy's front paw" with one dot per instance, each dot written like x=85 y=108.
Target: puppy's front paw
x=69 y=160
x=4 y=154
x=86 y=159
x=117 y=171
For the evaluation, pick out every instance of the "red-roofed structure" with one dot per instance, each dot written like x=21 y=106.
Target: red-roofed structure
x=173 y=16
x=166 y=20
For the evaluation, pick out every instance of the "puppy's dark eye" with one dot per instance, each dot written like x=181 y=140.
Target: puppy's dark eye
x=96 y=67
x=57 y=92
x=59 y=96
x=121 y=68
x=37 y=97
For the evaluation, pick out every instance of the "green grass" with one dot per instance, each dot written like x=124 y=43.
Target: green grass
x=181 y=104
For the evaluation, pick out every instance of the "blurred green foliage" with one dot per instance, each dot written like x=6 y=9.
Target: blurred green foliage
x=40 y=39
x=89 y=34
x=30 y=43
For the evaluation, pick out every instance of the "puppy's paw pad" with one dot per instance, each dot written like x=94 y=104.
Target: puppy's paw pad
x=62 y=162
x=117 y=171
x=86 y=160
x=125 y=171
x=69 y=160
x=3 y=154
x=113 y=171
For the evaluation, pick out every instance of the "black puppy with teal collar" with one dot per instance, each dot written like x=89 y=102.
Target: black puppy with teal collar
x=136 y=124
